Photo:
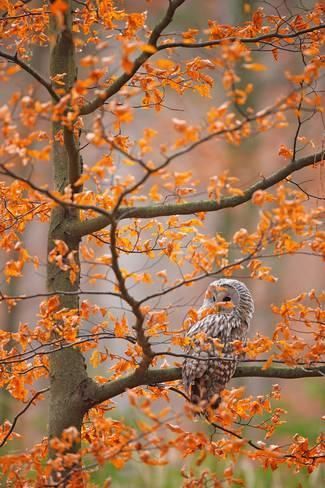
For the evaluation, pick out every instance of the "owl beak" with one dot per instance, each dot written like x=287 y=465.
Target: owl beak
x=224 y=305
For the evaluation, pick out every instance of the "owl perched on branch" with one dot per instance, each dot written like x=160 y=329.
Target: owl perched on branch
x=224 y=317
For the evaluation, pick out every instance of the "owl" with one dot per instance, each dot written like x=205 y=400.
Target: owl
x=225 y=315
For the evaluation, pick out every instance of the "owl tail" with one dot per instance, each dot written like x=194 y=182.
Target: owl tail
x=195 y=394
x=201 y=395
x=215 y=401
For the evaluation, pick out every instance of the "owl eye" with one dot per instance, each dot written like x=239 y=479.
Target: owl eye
x=226 y=299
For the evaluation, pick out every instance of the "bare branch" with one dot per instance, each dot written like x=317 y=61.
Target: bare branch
x=308 y=195
x=37 y=76
x=26 y=407
x=156 y=376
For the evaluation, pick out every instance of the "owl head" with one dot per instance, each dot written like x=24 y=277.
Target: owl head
x=229 y=296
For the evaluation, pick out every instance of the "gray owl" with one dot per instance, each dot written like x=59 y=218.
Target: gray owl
x=225 y=315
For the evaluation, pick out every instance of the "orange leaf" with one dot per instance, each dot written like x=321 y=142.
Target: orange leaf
x=95 y=359
x=121 y=327
x=59 y=7
x=255 y=66
x=285 y=152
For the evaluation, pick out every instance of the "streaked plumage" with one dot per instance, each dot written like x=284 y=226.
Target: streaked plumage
x=225 y=315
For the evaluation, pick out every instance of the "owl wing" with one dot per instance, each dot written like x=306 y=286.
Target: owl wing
x=194 y=369
x=239 y=333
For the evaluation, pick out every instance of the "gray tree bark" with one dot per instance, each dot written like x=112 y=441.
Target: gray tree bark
x=67 y=367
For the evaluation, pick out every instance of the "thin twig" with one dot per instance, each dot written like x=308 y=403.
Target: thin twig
x=37 y=394
x=37 y=76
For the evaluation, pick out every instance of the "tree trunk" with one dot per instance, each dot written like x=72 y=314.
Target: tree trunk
x=67 y=367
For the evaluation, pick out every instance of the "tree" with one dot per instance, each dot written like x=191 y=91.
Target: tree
x=115 y=194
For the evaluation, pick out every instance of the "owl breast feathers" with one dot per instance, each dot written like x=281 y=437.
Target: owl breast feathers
x=225 y=316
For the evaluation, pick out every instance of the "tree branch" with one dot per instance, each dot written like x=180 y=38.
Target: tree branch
x=244 y=40
x=142 y=339
x=152 y=211
x=63 y=203
x=138 y=62
x=47 y=85
x=26 y=407
x=156 y=376
x=82 y=228
x=167 y=19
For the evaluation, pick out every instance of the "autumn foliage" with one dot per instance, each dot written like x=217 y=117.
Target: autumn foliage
x=103 y=149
